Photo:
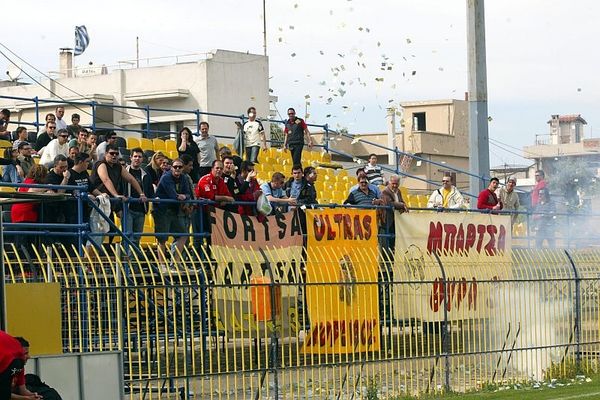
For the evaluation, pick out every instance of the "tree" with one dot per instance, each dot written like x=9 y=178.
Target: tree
x=573 y=178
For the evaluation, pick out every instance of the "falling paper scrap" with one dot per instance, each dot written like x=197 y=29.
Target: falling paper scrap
x=414 y=73
x=408 y=41
x=293 y=54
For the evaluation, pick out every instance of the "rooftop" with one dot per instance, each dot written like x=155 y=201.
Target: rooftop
x=568 y=118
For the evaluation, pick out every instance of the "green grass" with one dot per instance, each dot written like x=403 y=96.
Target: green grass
x=572 y=390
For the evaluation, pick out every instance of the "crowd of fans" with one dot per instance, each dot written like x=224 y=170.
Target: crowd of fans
x=71 y=155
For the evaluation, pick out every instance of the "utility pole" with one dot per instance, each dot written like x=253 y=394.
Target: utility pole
x=265 y=26
x=479 y=147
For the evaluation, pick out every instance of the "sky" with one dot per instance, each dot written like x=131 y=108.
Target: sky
x=351 y=59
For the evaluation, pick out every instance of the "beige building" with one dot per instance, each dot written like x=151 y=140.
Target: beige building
x=221 y=81
x=434 y=130
x=565 y=139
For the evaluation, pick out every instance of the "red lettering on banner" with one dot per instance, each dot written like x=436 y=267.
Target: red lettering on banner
x=470 y=242
x=434 y=241
x=502 y=238
x=451 y=238
x=347 y=226
x=367 y=226
x=346 y=333
x=318 y=227
x=453 y=295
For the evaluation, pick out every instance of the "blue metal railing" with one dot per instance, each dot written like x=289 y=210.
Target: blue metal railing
x=147 y=111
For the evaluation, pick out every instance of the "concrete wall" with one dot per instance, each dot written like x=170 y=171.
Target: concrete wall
x=226 y=83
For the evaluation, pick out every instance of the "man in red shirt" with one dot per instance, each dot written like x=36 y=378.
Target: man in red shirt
x=12 y=361
x=212 y=187
x=487 y=199
x=540 y=184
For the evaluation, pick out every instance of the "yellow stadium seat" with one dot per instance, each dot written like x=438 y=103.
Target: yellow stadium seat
x=159 y=145
x=173 y=154
x=7 y=189
x=171 y=145
x=132 y=142
x=146 y=144
x=325 y=157
x=5 y=144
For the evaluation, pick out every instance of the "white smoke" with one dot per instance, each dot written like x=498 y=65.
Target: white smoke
x=529 y=315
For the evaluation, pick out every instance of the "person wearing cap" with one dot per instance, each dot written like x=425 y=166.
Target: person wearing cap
x=12 y=361
x=509 y=197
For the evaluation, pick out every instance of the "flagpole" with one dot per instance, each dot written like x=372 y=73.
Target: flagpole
x=137 y=51
x=265 y=27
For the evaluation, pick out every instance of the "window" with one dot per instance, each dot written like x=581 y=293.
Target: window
x=157 y=130
x=419 y=122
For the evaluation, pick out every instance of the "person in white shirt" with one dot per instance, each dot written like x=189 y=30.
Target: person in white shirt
x=56 y=146
x=254 y=136
x=60 y=122
x=110 y=138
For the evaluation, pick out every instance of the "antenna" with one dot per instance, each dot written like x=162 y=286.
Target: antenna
x=14 y=71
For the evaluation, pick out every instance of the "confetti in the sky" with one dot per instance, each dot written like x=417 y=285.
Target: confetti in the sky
x=413 y=73
x=408 y=41
x=293 y=54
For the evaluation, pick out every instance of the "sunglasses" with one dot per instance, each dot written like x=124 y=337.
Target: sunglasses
x=64 y=136
x=51 y=127
x=177 y=166
x=113 y=153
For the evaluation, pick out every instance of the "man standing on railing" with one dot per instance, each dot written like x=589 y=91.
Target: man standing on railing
x=254 y=136
x=295 y=132
x=137 y=211
x=509 y=197
x=109 y=177
x=448 y=196
x=170 y=217
x=487 y=199
x=209 y=148
x=391 y=197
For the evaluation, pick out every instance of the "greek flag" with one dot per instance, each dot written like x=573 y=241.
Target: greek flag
x=81 y=39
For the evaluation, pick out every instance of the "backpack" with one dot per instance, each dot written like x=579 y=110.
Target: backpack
x=34 y=384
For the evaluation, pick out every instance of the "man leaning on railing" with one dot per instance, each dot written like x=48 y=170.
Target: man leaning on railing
x=447 y=196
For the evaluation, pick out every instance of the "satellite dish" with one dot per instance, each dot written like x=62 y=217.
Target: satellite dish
x=13 y=71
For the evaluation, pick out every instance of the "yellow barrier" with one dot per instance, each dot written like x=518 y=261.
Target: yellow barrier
x=533 y=320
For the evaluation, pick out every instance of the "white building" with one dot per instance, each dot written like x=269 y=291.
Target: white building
x=224 y=82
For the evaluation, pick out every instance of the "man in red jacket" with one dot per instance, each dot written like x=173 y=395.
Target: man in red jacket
x=12 y=361
x=487 y=199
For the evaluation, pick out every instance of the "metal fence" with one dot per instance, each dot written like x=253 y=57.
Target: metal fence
x=446 y=322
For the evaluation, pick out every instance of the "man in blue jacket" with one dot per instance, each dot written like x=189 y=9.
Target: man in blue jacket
x=169 y=216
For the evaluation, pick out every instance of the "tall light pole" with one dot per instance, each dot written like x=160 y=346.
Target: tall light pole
x=479 y=147
x=265 y=26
